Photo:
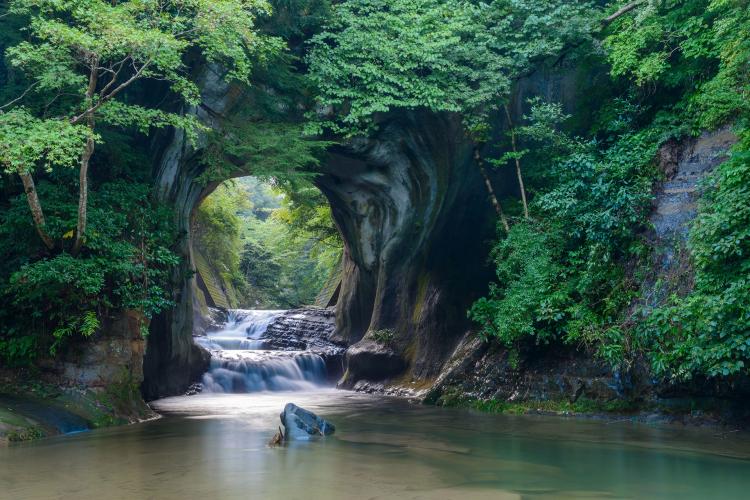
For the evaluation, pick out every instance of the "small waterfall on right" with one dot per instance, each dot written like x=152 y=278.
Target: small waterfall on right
x=245 y=359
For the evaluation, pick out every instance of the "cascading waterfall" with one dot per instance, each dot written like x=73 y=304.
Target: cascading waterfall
x=240 y=363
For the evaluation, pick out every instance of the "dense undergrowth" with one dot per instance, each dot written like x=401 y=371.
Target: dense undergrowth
x=572 y=271
x=570 y=255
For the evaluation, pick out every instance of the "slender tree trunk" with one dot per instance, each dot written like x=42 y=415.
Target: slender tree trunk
x=518 y=162
x=490 y=190
x=36 y=209
x=83 y=190
x=83 y=195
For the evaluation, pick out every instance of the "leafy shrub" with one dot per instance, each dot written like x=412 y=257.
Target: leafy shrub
x=560 y=275
x=126 y=264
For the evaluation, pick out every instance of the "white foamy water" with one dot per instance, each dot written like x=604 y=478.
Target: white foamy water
x=240 y=364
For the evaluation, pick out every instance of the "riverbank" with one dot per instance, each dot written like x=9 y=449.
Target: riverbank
x=33 y=408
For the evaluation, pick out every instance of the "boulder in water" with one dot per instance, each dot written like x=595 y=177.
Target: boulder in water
x=302 y=424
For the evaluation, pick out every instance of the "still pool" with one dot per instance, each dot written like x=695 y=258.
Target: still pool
x=213 y=446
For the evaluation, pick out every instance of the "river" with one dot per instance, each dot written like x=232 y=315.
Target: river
x=214 y=446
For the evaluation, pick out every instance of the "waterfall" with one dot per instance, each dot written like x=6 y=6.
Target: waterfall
x=241 y=363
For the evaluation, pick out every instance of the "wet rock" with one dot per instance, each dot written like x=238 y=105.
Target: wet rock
x=308 y=329
x=373 y=361
x=194 y=389
x=301 y=424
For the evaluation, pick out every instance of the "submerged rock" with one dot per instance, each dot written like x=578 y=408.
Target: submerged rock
x=302 y=424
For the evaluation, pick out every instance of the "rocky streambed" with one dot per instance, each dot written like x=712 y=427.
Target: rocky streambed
x=271 y=350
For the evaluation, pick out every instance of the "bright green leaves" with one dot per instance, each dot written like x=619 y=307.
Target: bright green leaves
x=700 y=49
x=443 y=55
x=560 y=275
x=110 y=45
x=680 y=45
x=26 y=142
x=127 y=265
x=529 y=297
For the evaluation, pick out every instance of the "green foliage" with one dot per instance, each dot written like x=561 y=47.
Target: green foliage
x=218 y=229
x=527 y=292
x=384 y=337
x=277 y=248
x=262 y=148
x=444 y=55
x=49 y=298
x=26 y=142
x=303 y=247
x=563 y=275
x=701 y=50
x=560 y=275
x=70 y=46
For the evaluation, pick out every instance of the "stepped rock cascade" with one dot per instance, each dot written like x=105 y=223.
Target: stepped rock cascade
x=258 y=350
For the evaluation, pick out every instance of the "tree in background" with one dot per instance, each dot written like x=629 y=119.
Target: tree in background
x=81 y=56
x=376 y=56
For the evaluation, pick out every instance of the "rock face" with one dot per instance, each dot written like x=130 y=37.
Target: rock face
x=415 y=218
x=685 y=164
x=301 y=424
x=113 y=355
x=172 y=360
x=482 y=370
x=413 y=213
x=371 y=360
x=308 y=329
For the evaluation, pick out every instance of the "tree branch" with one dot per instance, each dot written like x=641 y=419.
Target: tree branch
x=109 y=96
x=623 y=10
x=20 y=96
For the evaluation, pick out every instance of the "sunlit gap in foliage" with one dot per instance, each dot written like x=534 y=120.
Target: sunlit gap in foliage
x=258 y=244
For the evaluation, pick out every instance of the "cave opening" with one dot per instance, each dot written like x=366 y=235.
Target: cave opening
x=265 y=244
x=268 y=265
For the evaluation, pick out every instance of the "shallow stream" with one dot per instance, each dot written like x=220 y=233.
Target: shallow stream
x=214 y=446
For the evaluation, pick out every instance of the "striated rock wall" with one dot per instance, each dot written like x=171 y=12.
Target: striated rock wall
x=113 y=355
x=308 y=329
x=414 y=218
x=172 y=361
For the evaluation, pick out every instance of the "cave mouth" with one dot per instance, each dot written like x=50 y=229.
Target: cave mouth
x=264 y=244
x=268 y=262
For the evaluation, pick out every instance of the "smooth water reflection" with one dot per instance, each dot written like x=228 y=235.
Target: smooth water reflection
x=214 y=446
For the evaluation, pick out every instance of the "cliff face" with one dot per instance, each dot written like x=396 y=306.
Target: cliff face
x=172 y=361
x=414 y=216
x=416 y=223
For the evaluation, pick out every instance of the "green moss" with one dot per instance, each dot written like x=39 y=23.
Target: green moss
x=422 y=282
x=25 y=434
x=582 y=406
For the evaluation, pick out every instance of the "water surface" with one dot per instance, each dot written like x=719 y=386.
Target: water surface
x=214 y=446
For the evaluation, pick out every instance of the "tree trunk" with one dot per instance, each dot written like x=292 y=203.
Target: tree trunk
x=83 y=190
x=490 y=190
x=36 y=209
x=83 y=195
x=518 y=163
